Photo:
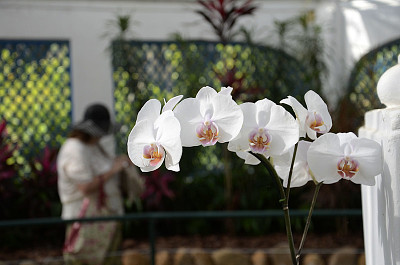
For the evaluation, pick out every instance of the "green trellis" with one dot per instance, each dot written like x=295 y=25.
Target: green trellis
x=35 y=95
x=361 y=93
x=144 y=70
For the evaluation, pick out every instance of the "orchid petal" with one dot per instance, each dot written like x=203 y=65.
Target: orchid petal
x=315 y=119
x=368 y=153
x=188 y=114
x=171 y=166
x=206 y=94
x=311 y=133
x=284 y=130
x=249 y=115
x=300 y=112
x=315 y=104
x=301 y=173
x=150 y=110
x=172 y=103
x=141 y=135
x=263 y=114
x=299 y=177
x=323 y=156
x=241 y=141
x=249 y=159
x=228 y=116
x=226 y=91
x=168 y=135
x=346 y=137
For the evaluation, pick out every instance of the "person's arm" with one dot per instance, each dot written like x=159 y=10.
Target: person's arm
x=119 y=164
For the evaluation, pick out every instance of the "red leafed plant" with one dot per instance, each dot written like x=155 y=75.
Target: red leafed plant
x=229 y=77
x=40 y=188
x=157 y=187
x=8 y=173
x=7 y=170
x=44 y=168
x=222 y=15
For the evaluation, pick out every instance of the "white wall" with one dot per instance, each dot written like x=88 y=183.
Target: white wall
x=84 y=22
x=369 y=24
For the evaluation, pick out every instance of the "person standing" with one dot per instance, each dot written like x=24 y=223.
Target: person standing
x=88 y=186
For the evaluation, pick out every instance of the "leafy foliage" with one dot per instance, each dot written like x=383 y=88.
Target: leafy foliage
x=301 y=37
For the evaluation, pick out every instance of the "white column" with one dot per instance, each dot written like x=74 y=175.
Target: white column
x=381 y=203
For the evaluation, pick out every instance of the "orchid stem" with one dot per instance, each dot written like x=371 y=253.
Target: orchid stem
x=284 y=202
x=291 y=172
x=308 y=222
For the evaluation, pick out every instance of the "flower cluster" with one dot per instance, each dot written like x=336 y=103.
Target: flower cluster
x=253 y=129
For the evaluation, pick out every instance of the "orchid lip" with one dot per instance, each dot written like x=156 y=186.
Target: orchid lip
x=153 y=154
x=207 y=132
x=259 y=140
x=316 y=123
x=347 y=167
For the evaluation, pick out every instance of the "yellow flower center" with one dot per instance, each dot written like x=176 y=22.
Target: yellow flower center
x=316 y=123
x=207 y=133
x=347 y=168
x=153 y=153
x=259 y=140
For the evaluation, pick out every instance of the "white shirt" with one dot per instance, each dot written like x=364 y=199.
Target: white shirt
x=79 y=163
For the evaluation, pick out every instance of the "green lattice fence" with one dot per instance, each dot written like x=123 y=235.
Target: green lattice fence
x=143 y=70
x=361 y=94
x=35 y=95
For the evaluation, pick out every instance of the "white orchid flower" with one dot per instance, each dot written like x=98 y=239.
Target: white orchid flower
x=208 y=118
x=301 y=171
x=315 y=119
x=333 y=157
x=268 y=129
x=156 y=137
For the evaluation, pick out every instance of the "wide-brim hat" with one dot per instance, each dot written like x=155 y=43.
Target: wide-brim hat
x=97 y=121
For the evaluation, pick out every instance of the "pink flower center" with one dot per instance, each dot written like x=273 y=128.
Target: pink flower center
x=207 y=133
x=154 y=154
x=259 y=140
x=347 y=168
x=316 y=123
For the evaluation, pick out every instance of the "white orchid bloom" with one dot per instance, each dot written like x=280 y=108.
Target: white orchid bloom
x=268 y=129
x=301 y=171
x=345 y=156
x=156 y=137
x=315 y=119
x=208 y=118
